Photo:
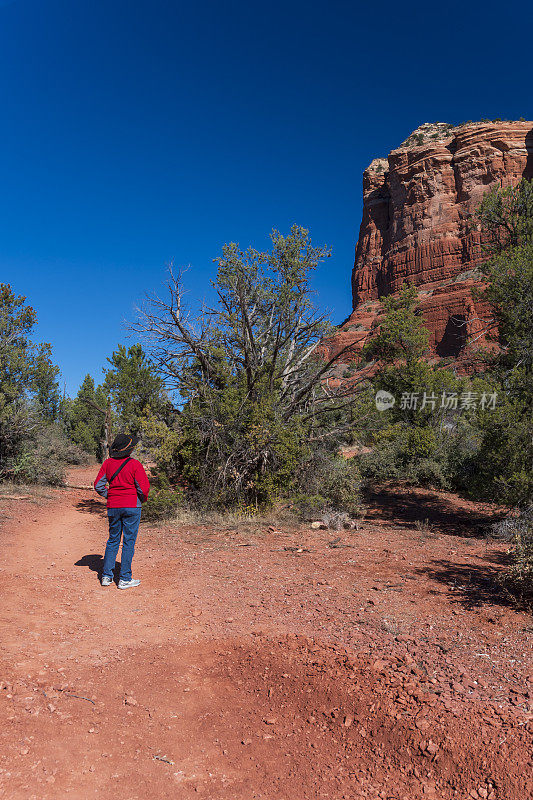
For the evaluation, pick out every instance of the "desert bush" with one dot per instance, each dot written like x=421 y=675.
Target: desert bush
x=45 y=455
x=332 y=485
x=413 y=441
x=425 y=530
x=340 y=482
x=75 y=455
x=440 y=458
x=501 y=469
x=382 y=463
x=406 y=452
x=517 y=529
x=161 y=441
x=309 y=506
x=401 y=334
x=506 y=217
x=428 y=472
x=458 y=452
x=162 y=504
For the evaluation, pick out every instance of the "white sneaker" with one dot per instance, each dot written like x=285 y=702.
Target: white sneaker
x=106 y=580
x=127 y=584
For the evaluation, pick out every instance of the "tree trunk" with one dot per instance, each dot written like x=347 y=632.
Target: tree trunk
x=107 y=432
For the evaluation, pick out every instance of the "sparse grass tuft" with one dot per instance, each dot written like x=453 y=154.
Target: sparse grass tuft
x=425 y=529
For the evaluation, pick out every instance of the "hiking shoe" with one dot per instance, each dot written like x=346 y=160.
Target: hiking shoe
x=127 y=584
x=106 y=580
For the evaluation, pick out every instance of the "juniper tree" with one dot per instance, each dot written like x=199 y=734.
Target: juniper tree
x=505 y=463
x=248 y=371
x=29 y=394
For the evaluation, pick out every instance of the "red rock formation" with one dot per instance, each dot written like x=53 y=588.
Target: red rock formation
x=417 y=210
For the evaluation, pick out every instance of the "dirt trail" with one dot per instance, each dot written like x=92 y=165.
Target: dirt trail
x=241 y=669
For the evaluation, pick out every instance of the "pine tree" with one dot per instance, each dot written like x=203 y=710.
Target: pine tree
x=134 y=387
x=85 y=424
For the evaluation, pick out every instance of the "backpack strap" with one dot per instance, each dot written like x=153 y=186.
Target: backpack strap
x=114 y=475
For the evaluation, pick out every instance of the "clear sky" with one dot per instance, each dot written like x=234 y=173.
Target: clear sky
x=136 y=132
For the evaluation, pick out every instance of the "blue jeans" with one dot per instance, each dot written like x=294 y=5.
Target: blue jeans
x=122 y=522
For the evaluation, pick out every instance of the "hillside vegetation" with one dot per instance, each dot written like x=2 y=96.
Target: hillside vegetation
x=236 y=406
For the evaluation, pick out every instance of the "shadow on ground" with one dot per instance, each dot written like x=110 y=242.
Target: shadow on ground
x=91 y=507
x=95 y=562
x=470 y=585
x=443 y=514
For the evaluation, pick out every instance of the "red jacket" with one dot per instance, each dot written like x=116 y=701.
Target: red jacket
x=129 y=489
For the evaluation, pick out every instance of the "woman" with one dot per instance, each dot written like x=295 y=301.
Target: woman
x=122 y=480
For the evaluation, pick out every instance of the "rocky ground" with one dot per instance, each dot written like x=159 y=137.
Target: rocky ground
x=382 y=662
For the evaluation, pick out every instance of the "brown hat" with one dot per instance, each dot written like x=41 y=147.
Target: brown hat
x=122 y=445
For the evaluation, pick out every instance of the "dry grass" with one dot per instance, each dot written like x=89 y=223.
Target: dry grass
x=425 y=529
x=246 y=520
x=21 y=492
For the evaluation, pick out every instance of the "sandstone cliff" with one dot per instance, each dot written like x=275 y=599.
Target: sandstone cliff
x=417 y=206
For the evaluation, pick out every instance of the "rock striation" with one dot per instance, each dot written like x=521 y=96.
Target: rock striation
x=416 y=227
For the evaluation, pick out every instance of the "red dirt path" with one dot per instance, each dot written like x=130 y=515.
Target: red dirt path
x=388 y=665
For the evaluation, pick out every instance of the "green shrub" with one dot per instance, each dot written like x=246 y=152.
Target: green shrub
x=421 y=443
x=409 y=453
x=45 y=456
x=328 y=484
x=427 y=472
x=162 y=504
x=341 y=485
x=309 y=506
x=502 y=466
x=382 y=463
x=459 y=452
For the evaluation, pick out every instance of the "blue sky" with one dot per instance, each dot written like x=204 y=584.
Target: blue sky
x=137 y=132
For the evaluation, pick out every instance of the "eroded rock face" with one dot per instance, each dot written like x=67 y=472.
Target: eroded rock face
x=416 y=227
